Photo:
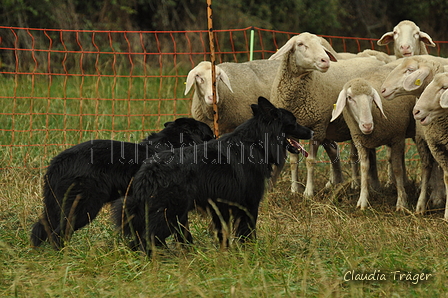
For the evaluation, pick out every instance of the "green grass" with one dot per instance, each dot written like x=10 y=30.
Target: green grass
x=41 y=116
x=305 y=247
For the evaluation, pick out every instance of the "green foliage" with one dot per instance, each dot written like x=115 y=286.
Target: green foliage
x=358 y=18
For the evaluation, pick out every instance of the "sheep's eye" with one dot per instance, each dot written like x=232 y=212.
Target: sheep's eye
x=410 y=69
x=199 y=79
x=349 y=98
x=395 y=32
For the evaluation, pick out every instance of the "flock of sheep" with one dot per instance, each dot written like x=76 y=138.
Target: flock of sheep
x=371 y=98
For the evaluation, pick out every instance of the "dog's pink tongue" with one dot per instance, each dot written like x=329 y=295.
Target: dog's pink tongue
x=298 y=146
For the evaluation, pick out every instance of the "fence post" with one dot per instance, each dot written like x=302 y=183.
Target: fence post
x=212 y=60
x=251 y=54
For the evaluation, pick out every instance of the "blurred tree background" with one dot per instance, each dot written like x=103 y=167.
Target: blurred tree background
x=355 y=18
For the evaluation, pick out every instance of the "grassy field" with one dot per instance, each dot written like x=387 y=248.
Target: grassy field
x=317 y=247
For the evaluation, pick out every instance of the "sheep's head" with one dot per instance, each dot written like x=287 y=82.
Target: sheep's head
x=201 y=77
x=410 y=77
x=408 y=39
x=433 y=101
x=309 y=52
x=358 y=97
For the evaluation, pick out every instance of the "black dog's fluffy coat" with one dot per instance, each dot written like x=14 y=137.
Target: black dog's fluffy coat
x=81 y=179
x=224 y=176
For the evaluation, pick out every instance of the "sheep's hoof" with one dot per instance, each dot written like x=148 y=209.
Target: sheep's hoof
x=295 y=187
x=329 y=184
x=402 y=208
x=361 y=205
x=420 y=210
x=307 y=193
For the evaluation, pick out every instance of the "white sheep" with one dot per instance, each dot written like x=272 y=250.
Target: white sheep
x=411 y=77
x=431 y=110
x=408 y=40
x=238 y=86
x=370 y=121
x=308 y=86
x=365 y=53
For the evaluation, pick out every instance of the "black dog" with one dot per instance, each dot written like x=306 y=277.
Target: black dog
x=81 y=179
x=224 y=176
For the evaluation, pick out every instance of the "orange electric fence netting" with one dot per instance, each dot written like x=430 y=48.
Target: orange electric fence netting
x=62 y=87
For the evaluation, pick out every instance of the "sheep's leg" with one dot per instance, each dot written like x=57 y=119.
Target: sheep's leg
x=354 y=163
x=373 y=170
x=438 y=191
x=310 y=162
x=294 y=164
x=445 y=179
x=390 y=172
x=427 y=170
x=363 y=200
x=397 y=152
x=332 y=150
x=423 y=197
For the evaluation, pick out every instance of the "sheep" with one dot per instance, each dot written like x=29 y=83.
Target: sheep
x=308 y=86
x=366 y=53
x=431 y=110
x=238 y=86
x=370 y=127
x=408 y=40
x=411 y=77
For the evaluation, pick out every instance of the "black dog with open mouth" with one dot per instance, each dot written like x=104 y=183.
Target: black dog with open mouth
x=225 y=176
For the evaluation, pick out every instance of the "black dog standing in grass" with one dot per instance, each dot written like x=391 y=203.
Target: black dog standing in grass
x=224 y=176
x=81 y=179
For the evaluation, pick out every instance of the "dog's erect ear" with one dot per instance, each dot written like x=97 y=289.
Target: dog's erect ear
x=168 y=123
x=266 y=108
x=255 y=109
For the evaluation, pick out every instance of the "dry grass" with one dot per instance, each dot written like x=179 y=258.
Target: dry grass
x=305 y=248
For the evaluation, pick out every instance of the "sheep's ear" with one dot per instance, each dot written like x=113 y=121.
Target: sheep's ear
x=340 y=105
x=223 y=77
x=190 y=81
x=386 y=39
x=168 y=123
x=415 y=80
x=378 y=102
x=444 y=99
x=427 y=40
x=283 y=50
x=332 y=57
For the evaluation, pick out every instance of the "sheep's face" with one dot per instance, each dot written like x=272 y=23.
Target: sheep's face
x=201 y=77
x=310 y=54
x=407 y=37
x=358 y=99
x=305 y=52
x=410 y=77
x=434 y=100
x=360 y=107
